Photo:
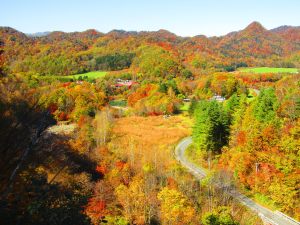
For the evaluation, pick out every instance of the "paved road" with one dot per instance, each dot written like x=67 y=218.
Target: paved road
x=268 y=216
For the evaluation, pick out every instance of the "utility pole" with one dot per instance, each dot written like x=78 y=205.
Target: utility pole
x=256 y=171
x=209 y=160
x=256 y=167
x=209 y=185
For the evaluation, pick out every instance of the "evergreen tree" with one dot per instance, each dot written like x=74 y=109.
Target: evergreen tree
x=266 y=105
x=211 y=129
x=232 y=103
x=231 y=106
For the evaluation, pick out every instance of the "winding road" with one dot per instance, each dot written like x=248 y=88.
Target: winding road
x=267 y=215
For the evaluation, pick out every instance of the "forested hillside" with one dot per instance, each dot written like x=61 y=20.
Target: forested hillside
x=89 y=122
x=59 y=53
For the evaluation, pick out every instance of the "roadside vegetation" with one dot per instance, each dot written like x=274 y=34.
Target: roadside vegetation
x=250 y=139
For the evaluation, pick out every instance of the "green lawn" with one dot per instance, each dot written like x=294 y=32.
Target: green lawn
x=90 y=76
x=269 y=70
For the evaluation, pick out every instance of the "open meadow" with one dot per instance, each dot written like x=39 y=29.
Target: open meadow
x=90 y=76
x=269 y=70
x=150 y=137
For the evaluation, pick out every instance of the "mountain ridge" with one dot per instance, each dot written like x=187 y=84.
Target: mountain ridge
x=253 y=26
x=254 y=45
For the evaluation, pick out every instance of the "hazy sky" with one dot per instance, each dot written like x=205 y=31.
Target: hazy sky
x=183 y=17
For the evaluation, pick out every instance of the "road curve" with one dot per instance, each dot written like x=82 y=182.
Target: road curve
x=267 y=215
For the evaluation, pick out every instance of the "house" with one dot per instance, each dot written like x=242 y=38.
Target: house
x=124 y=83
x=218 y=98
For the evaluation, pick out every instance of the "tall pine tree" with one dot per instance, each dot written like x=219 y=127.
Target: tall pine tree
x=211 y=129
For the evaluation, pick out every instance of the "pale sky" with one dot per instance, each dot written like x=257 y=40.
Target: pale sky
x=182 y=17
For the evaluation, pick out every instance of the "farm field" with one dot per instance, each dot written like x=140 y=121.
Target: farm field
x=269 y=70
x=90 y=76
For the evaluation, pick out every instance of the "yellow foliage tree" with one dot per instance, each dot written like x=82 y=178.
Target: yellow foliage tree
x=175 y=207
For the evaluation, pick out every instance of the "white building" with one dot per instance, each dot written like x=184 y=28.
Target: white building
x=218 y=98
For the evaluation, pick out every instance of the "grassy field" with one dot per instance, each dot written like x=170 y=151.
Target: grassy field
x=90 y=76
x=149 y=138
x=269 y=70
x=152 y=131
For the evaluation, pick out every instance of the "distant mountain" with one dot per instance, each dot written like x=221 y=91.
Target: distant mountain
x=253 y=40
x=284 y=28
x=38 y=34
x=288 y=33
x=254 y=45
x=8 y=33
x=255 y=27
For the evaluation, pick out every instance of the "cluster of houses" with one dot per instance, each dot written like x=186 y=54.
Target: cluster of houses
x=130 y=83
x=124 y=83
x=217 y=98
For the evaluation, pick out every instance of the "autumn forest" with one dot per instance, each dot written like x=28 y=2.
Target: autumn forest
x=93 y=127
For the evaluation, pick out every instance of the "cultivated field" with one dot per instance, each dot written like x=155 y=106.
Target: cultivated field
x=90 y=76
x=269 y=70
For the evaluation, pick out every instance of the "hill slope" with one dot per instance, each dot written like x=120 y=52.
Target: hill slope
x=77 y=52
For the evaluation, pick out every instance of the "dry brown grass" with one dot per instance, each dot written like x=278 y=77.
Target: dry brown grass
x=144 y=140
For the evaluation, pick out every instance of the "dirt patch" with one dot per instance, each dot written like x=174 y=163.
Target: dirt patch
x=62 y=129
